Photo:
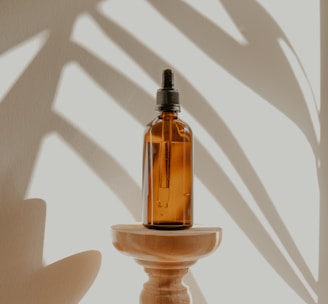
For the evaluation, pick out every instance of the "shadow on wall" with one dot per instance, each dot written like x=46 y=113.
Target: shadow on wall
x=26 y=117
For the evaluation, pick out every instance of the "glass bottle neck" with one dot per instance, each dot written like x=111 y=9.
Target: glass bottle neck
x=168 y=115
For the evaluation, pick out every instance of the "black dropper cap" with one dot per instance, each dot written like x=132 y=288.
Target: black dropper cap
x=167 y=99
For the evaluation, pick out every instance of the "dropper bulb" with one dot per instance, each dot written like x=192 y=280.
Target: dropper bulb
x=167 y=80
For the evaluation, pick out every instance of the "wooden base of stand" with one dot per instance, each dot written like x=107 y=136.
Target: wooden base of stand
x=166 y=257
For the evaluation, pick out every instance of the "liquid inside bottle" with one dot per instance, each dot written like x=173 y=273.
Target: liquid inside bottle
x=168 y=173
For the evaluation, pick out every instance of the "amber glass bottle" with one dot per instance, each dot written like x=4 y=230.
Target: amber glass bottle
x=168 y=164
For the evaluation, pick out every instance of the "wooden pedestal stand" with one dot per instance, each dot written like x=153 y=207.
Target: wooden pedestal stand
x=166 y=257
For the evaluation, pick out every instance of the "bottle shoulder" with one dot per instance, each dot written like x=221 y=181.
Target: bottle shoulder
x=159 y=127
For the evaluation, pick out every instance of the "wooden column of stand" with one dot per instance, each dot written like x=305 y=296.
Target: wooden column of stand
x=166 y=257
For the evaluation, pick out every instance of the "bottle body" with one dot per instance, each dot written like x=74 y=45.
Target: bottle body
x=168 y=173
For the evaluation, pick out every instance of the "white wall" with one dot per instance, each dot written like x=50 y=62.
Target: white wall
x=78 y=81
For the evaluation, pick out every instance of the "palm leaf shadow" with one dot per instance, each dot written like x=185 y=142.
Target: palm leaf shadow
x=102 y=164
x=43 y=120
x=239 y=210
x=24 y=120
x=97 y=70
x=151 y=63
x=260 y=64
x=21 y=20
